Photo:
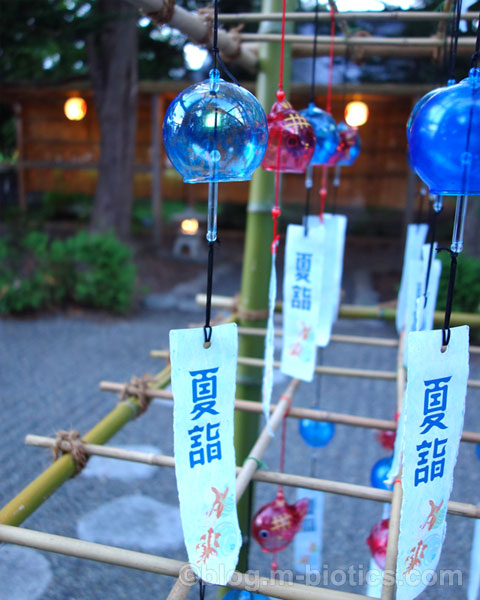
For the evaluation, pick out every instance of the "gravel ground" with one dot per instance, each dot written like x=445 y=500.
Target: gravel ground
x=49 y=373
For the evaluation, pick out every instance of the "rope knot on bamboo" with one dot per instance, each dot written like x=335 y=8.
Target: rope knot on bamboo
x=76 y=448
x=164 y=15
x=138 y=386
x=248 y=315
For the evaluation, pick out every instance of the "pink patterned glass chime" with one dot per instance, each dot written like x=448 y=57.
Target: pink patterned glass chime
x=290 y=130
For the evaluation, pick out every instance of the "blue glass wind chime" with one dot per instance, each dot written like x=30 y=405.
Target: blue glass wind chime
x=215 y=131
x=443 y=134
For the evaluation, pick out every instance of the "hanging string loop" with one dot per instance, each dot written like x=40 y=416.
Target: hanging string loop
x=450 y=294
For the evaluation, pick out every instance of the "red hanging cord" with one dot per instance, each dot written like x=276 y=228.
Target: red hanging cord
x=323 y=187
x=330 y=64
x=282 y=46
x=276 y=210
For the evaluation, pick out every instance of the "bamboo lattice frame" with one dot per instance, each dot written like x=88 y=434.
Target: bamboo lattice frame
x=248 y=472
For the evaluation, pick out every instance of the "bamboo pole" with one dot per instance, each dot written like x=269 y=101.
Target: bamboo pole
x=285 y=590
x=354 y=311
x=32 y=496
x=305 y=50
x=324 y=370
x=340 y=488
x=198 y=30
x=343 y=339
x=308 y=17
x=342 y=43
x=321 y=369
x=295 y=412
x=186 y=580
x=388 y=585
x=256 y=453
x=340 y=338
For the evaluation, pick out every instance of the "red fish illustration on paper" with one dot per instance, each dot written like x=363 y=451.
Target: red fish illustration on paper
x=219 y=503
x=276 y=523
x=377 y=540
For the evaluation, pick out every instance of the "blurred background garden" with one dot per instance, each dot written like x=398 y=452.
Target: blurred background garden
x=91 y=210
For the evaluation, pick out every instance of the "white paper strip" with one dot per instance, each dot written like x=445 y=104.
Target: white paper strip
x=301 y=300
x=267 y=383
x=203 y=384
x=416 y=235
x=434 y=411
x=307 y=543
x=473 y=592
x=333 y=244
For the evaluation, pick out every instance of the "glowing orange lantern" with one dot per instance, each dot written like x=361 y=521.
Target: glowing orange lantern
x=75 y=109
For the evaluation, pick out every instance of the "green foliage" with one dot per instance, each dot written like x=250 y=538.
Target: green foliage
x=61 y=205
x=91 y=270
x=104 y=273
x=46 y=41
x=467 y=284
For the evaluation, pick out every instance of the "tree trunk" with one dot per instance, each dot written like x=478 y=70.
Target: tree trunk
x=112 y=55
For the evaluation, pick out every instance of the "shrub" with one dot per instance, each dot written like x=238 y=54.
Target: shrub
x=104 y=273
x=91 y=270
x=467 y=284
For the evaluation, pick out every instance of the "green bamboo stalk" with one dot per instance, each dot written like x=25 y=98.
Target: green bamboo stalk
x=351 y=311
x=41 y=488
x=256 y=266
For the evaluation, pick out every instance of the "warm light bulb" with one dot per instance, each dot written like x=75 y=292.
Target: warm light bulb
x=189 y=226
x=356 y=113
x=75 y=109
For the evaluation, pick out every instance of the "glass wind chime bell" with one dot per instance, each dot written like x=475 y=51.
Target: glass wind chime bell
x=444 y=145
x=348 y=148
x=291 y=142
x=326 y=134
x=215 y=131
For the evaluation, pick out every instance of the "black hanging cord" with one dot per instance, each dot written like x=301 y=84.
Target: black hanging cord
x=314 y=60
x=432 y=232
x=451 y=289
x=207 y=330
x=217 y=59
x=202 y=587
x=476 y=54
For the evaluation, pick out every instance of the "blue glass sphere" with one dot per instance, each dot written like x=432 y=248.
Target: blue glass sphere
x=444 y=141
x=353 y=151
x=215 y=131
x=243 y=595
x=316 y=433
x=420 y=103
x=379 y=473
x=326 y=134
